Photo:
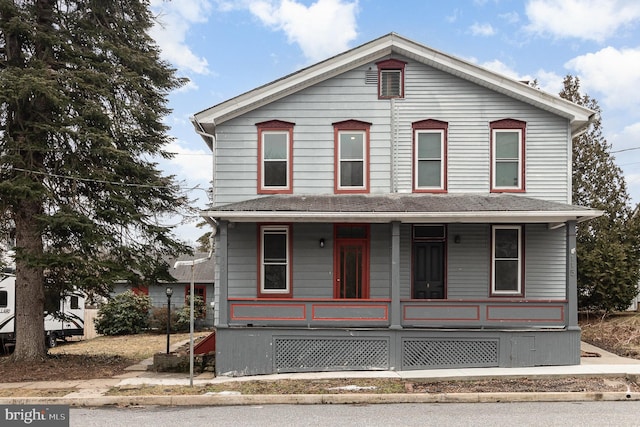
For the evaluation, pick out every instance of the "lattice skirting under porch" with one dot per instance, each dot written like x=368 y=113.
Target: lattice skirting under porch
x=252 y=351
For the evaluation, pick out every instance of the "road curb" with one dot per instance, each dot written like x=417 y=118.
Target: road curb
x=319 y=399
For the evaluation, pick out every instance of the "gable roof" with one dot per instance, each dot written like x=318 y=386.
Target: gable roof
x=206 y=121
x=413 y=208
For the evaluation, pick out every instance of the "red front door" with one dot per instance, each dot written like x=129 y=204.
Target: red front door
x=351 y=262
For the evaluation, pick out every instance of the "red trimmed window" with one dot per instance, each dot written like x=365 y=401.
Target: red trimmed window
x=275 y=261
x=430 y=156
x=275 y=154
x=199 y=309
x=351 y=148
x=391 y=78
x=140 y=290
x=507 y=258
x=507 y=155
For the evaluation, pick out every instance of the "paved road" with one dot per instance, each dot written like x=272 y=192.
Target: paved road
x=563 y=414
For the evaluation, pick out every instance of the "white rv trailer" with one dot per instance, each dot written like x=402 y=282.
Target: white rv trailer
x=66 y=322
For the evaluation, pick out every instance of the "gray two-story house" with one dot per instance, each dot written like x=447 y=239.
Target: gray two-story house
x=394 y=208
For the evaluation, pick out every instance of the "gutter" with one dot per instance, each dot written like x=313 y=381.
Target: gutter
x=207 y=137
x=585 y=128
x=550 y=217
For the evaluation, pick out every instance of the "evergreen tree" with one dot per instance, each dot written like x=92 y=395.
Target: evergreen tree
x=82 y=97
x=608 y=247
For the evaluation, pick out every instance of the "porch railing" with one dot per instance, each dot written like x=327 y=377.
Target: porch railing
x=376 y=313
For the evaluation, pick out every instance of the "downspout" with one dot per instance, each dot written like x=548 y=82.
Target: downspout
x=210 y=140
x=394 y=146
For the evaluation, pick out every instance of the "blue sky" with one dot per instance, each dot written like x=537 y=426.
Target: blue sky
x=227 y=47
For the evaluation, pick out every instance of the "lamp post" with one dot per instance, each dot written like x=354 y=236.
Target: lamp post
x=191 y=291
x=169 y=292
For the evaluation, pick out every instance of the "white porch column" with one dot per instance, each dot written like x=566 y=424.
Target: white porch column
x=396 y=315
x=572 y=276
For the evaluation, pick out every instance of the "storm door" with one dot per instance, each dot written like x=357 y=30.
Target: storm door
x=428 y=262
x=351 y=261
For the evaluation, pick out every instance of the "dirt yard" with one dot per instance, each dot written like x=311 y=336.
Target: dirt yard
x=101 y=357
x=619 y=334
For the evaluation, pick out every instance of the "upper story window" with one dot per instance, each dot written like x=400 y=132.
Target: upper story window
x=507 y=155
x=430 y=156
x=391 y=78
x=507 y=260
x=275 y=152
x=351 y=148
x=275 y=261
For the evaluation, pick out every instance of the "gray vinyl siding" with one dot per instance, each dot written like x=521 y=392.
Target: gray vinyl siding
x=405 y=261
x=545 y=261
x=312 y=265
x=430 y=93
x=242 y=260
x=468 y=263
x=380 y=261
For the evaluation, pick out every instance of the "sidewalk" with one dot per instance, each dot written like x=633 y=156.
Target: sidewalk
x=92 y=392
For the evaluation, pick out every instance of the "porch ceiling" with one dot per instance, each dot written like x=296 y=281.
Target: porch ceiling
x=410 y=208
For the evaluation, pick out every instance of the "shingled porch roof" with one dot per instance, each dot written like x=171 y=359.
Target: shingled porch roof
x=410 y=208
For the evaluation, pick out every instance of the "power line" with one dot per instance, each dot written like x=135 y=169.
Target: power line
x=101 y=181
x=626 y=149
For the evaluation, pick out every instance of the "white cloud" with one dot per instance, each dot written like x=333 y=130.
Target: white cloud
x=625 y=140
x=323 y=29
x=510 y=17
x=188 y=87
x=193 y=165
x=175 y=18
x=611 y=72
x=454 y=16
x=502 y=68
x=594 y=20
x=625 y=148
x=482 y=30
x=549 y=81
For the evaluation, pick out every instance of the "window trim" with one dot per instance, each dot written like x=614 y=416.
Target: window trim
x=187 y=301
x=521 y=267
x=275 y=293
x=431 y=126
x=391 y=65
x=275 y=126
x=351 y=126
x=508 y=125
x=140 y=290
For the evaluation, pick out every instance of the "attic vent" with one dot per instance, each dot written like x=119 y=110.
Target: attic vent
x=371 y=77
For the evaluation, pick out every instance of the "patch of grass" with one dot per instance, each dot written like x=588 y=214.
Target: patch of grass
x=389 y=386
x=271 y=387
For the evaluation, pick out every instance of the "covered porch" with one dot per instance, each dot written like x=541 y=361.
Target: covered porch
x=270 y=333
